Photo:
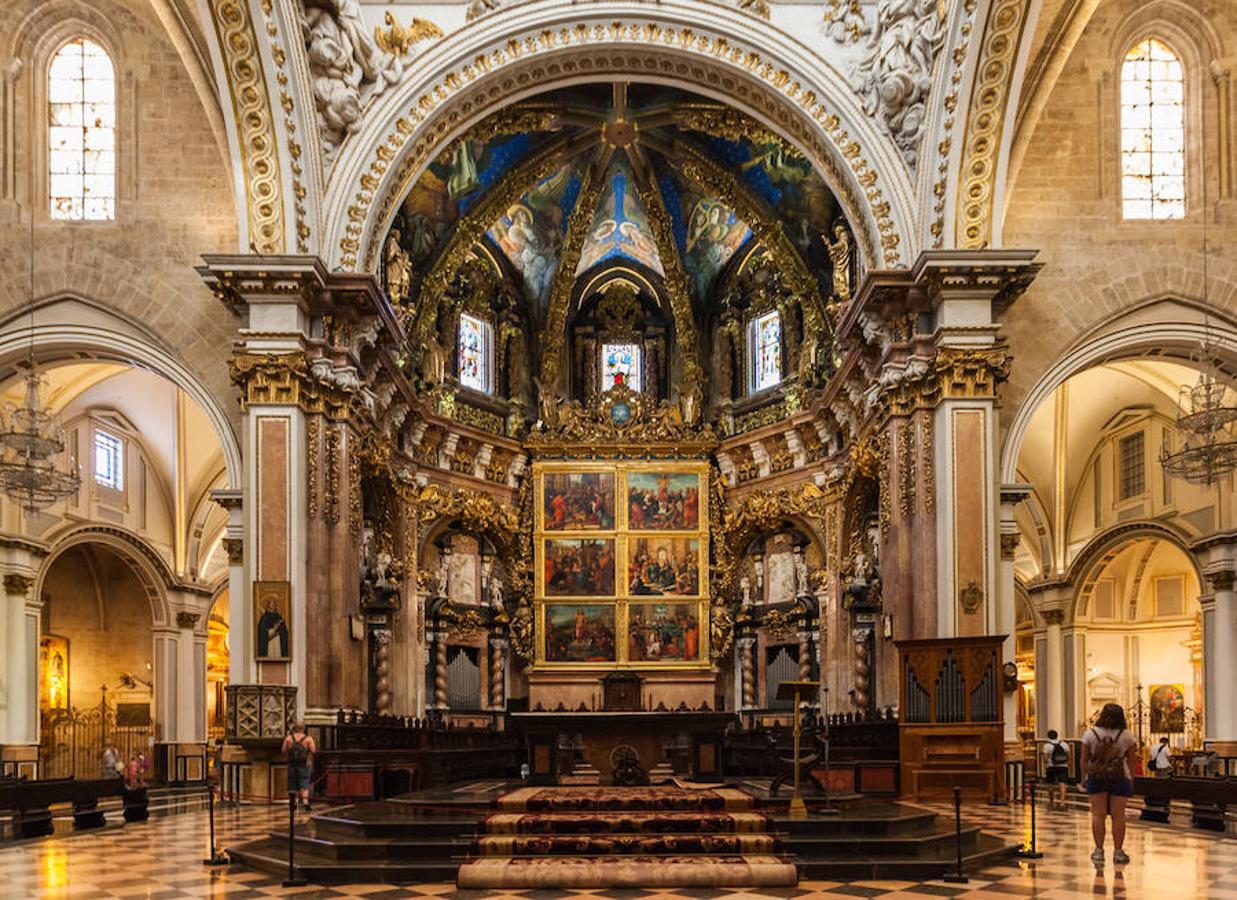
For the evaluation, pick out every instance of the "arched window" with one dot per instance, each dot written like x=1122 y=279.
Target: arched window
x=81 y=163
x=476 y=348
x=620 y=364
x=1152 y=132
x=764 y=350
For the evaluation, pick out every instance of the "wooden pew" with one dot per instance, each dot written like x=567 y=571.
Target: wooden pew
x=1208 y=797
x=31 y=802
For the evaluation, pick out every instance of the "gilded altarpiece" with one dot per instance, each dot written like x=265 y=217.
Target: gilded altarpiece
x=621 y=565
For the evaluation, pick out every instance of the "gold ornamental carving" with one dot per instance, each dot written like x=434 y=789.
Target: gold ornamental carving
x=17 y=585
x=330 y=491
x=397 y=39
x=985 y=121
x=255 y=129
x=313 y=449
x=464 y=623
x=906 y=465
x=782 y=624
x=235 y=548
x=284 y=379
x=929 y=464
x=716 y=60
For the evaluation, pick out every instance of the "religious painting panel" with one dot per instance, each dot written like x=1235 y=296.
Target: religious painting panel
x=272 y=601
x=620 y=227
x=1167 y=708
x=578 y=567
x=663 y=632
x=54 y=668
x=663 y=501
x=664 y=567
x=532 y=229
x=465 y=562
x=577 y=501
x=579 y=633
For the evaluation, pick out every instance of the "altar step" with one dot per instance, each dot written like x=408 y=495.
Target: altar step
x=657 y=837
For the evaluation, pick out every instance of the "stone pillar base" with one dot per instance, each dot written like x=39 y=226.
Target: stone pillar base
x=254 y=774
x=181 y=763
x=19 y=760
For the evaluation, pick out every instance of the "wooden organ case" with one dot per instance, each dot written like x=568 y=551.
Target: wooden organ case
x=951 y=728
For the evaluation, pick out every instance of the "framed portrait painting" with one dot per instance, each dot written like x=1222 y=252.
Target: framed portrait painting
x=1167 y=708
x=578 y=567
x=663 y=567
x=663 y=501
x=579 y=633
x=577 y=501
x=663 y=632
x=272 y=602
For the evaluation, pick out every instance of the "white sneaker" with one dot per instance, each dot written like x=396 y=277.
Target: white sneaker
x=1120 y=856
x=1097 y=855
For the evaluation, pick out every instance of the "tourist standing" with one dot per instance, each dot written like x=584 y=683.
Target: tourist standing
x=1161 y=762
x=1056 y=768
x=1108 y=759
x=110 y=762
x=300 y=750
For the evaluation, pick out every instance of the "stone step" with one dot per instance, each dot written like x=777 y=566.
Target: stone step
x=623 y=822
x=267 y=856
x=648 y=872
x=910 y=846
x=566 y=846
x=986 y=851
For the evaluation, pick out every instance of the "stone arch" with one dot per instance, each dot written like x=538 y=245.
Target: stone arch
x=1144 y=330
x=540 y=46
x=1105 y=545
x=151 y=570
x=101 y=333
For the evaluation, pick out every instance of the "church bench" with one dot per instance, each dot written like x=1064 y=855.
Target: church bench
x=1209 y=798
x=30 y=802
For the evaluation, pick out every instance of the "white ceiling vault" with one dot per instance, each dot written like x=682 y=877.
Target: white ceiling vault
x=333 y=108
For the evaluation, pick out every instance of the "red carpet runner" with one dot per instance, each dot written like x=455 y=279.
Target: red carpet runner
x=595 y=837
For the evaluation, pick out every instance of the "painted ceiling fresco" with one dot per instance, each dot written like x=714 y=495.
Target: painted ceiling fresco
x=531 y=231
x=620 y=226
x=707 y=233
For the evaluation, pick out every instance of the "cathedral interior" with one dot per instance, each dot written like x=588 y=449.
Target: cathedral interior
x=701 y=445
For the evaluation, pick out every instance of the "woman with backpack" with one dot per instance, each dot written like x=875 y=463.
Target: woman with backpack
x=1108 y=751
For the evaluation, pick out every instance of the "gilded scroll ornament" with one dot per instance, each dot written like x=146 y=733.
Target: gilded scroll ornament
x=255 y=129
x=330 y=493
x=313 y=439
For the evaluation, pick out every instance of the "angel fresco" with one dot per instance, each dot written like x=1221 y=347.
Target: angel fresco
x=531 y=231
x=714 y=233
x=620 y=227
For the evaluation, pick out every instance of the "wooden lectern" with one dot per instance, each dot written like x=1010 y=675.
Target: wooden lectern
x=797 y=691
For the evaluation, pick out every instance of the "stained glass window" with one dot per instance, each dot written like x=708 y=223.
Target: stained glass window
x=81 y=94
x=1152 y=133
x=764 y=347
x=620 y=363
x=474 y=353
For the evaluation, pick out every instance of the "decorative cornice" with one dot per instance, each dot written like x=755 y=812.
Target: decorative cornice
x=985 y=122
x=254 y=127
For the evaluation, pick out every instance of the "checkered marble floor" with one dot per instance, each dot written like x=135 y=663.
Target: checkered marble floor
x=163 y=858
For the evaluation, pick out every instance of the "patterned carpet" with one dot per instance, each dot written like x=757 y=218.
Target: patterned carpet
x=162 y=858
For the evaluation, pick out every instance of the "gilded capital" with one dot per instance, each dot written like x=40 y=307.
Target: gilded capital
x=18 y=585
x=1009 y=545
x=235 y=548
x=186 y=619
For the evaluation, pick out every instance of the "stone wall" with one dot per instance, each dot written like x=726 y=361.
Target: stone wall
x=1066 y=196
x=175 y=198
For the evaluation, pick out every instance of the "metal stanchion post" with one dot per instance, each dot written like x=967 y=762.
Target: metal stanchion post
x=827 y=809
x=957 y=877
x=293 y=880
x=216 y=858
x=1024 y=852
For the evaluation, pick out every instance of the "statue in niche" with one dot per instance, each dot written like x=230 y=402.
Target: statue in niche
x=799 y=558
x=745 y=590
x=807 y=360
x=496 y=591
x=443 y=576
x=548 y=403
x=397 y=269
x=690 y=401
x=435 y=360
x=839 y=256
x=377 y=586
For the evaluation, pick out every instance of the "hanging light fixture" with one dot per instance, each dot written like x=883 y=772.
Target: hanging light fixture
x=1206 y=415
x=31 y=441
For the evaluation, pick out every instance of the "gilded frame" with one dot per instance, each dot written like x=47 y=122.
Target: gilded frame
x=624 y=540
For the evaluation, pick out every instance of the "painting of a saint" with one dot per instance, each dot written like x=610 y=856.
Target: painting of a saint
x=664 y=567
x=1167 y=708
x=579 y=567
x=663 y=501
x=271 y=600
x=579 y=633
x=714 y=233
x=54 y=661
x=531 y=231
x=578 y=500
x=663 y=632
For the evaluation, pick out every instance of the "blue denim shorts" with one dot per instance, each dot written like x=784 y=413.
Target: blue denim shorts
x=298 y=778
x=1123 y=787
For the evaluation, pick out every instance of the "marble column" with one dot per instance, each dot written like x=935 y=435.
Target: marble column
x=241 y=666
x=1050 y=675
x=1219 y=564
x=1007 y=602
x=20 y=625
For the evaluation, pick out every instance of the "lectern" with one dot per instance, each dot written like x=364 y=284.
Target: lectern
x=797 y=691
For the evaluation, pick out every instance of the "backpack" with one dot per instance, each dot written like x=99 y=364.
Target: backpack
x=1059 y=755
x=1107 y=762
x=298 y=753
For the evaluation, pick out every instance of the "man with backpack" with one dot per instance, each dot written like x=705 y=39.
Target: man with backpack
x=300 y=750
x=1108 y=759
x=1056 y=768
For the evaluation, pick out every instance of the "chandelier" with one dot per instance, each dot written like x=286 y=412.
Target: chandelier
x=1205 y=426
x=30 y=442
